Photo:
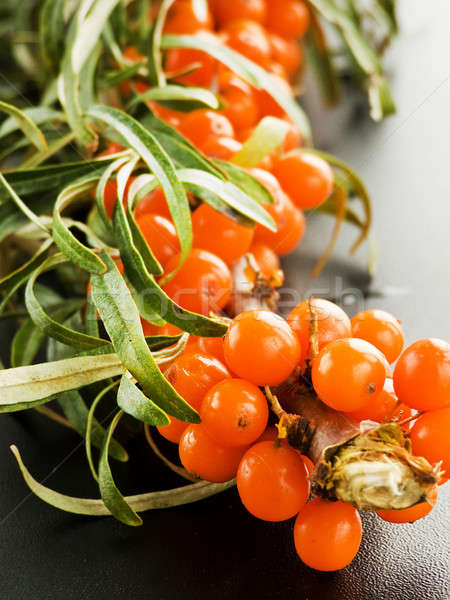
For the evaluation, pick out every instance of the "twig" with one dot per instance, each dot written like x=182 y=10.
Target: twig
x=173 y=467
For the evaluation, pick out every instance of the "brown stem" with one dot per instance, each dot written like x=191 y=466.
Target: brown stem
x=173 y=467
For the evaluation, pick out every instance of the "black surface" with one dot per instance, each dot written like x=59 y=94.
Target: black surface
x=214 y=549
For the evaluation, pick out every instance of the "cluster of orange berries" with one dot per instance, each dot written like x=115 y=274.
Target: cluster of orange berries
x=351 y=372
x=296 y=180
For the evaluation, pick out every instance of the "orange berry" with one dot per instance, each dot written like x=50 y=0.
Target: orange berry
x=200 y=455
x=155 y=202
x=293 y=138
x=249 y=39
x=199 y=125
x=266 y=259
x=380 y=329
x=347 y=373
x=182 y=59
x=221 y=147
x=327 y=535
x=192 y=374
x=234 y=412
x=266 y=104
x=237 y=95
x=111 y=148
x=161 y=236
x=306 y=178
x=332 y=323
x=286 y=52
x=422 y=375
x=203 y=284
x=226 y=11
x=261 y=347
x=376 y=408
x=272 y=481
x=409 y=515
x=172 y=117
x=183 y=19
x=219 y=234
x=213 y=346
x=308 y=463
x=288 y=18
x=430 y=438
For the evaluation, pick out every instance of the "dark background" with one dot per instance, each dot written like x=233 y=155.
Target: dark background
x=214 y=548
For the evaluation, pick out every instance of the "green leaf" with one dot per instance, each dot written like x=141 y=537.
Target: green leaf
x=133 y=402
x=20 y=275
x=139 y=503
x=30 y=129
x=158 y=161
x=246 y=182
x=51 y=327
x=111 y=496
x=121 y=319
x=64 y=238
x=152 y=297
x=101 y=186
x=24 y=387
x=230 y=194
x=21 y=204
x=182 y=152
x=178 y=97
x=246 y=69
x=267 y=136
x=76 y=412
x=37 y=114
x=155 y=70
x=380 y=98
x=52 y=32
x=40 y=157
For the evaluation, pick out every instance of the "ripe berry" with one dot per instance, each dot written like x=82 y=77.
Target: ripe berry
x=183 y=19
x=332 y=323
x=430 y=438
x=261 y=347
x=380 y=329
x=306 y=178
x=377 y=407
x=347 y=373
x=200 y=455
x=154 y=202
x=249 y=39
x=223 y=148
x=161 y=236
x=286 y=52
x=327 y=535
x=272 y=481
x=240 y=106
x=192 y=374
x=182 y=59
x=422 y=375
x=226 y=11
x=234 y=412
x=266 y=258
x=219 y=234
x=409 y=515
x=213 y=346
x=288 y=18
x=266 y=104
x=203 y=284
x=202 y=124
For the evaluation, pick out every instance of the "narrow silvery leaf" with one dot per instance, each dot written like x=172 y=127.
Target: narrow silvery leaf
x=132 y=401
x=190 y=97
x=29 y=128
x=267 y=136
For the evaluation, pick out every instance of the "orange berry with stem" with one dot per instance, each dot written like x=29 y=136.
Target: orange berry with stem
x=347 y=373
x=332 y=323
x=430 y=438
x=249 y=39
x=192 y=374
x=203 y=284
x=286 y=52
x=225 y=11
x=422 y=375
x=240 y=106
x=220 y=234
x=234 y=412
x=327 y=535
x=305 y=177
x=380 y=329
x=222 y=147
x=182 y=18
x=201 y=455
x=266 y=259
x=155 y=202
x=261 y=347
x=161 y=236
x=199 y=125
x=272 y=481
x=182 y=60
x=288 y=18
x=409 y=515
